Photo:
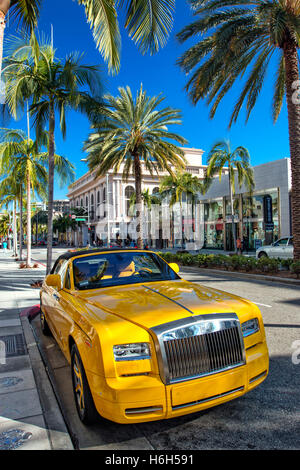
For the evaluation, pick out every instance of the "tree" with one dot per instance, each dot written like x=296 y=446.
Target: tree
x=11 y=189
x=4 y=225
x=182 y=185
x=148 y=23
x=240 y=35
x=20 y=156
x=135 y=133
x=237 y=163
x=22 y=160
x=33 y=73
x=26 y=13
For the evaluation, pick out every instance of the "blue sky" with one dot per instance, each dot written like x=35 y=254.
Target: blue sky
x=159 y=74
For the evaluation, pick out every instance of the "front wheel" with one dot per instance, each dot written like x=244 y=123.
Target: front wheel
x=44 y=325
x=83 y=398
x=262 y=255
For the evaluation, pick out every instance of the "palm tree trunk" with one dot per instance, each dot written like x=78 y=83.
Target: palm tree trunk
x=21 y=224
x=182 y=223
x=50 y=185
x=293 y=106
x=232 y=214
x=2 y=28
x=15 y=239
x=138 y=192
x=28 y=190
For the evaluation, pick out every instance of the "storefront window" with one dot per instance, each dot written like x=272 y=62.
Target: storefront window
x=214 y=224
x=235 y=207
x=254 y=232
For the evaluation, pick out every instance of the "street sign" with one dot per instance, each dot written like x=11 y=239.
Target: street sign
x=80 y=220
x=269 y=227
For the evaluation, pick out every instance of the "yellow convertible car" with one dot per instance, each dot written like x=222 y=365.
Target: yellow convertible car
x=143 y=343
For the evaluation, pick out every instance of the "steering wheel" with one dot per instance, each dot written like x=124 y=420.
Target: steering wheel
x=143 y=271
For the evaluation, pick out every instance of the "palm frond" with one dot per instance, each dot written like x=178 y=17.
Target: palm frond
x=102 y=17
x=149 y=23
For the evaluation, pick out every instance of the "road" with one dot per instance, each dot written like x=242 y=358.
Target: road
x=266 y=418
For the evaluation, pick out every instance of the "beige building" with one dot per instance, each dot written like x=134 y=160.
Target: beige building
x=106 y=201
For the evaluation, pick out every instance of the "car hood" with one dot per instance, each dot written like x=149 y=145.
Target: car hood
x=154 y=303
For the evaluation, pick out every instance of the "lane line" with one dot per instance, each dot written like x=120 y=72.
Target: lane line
x=263 y=305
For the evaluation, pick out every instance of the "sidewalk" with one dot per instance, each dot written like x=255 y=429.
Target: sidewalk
x=30 y=418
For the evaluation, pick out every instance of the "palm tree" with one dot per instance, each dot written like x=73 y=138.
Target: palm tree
x=22 y=158
x=182 y=185
x=11 y=189
x=4 y=224
x=9 y=193
x=135 y=133
x=148 y=23
x=26 y=13
x=237 y=163
x=33 y=72
x=39 y=219
x=240 y=35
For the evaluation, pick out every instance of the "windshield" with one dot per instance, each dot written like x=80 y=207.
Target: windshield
x=113 y=269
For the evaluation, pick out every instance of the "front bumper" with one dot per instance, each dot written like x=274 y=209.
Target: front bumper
x=145 y=398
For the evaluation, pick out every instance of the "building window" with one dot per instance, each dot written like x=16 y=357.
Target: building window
x=214 y=224
x=255 y=233
x=129 y=191
x=92 y=207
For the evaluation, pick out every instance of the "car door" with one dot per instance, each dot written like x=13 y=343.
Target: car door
x=63 y=317
x=51 y=301
x=49 y=298
x=290 y=249
x=59 y=306
x=278 y=250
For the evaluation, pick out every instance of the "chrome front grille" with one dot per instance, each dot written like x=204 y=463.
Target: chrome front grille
x=198 y=346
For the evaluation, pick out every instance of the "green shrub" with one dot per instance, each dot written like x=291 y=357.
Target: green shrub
x=251 y=264
x=286 y=263
x=186 y=259
x=268 y=264
x=295 y=268
x=201 y=260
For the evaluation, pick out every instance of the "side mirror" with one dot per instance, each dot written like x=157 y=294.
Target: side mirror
x=174 y=266
x=53 y=280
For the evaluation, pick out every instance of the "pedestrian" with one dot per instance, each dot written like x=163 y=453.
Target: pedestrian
x=239 y=246
x=245 y=244
x=4 y=246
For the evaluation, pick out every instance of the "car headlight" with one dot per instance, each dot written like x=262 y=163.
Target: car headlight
x=132 y=352
x=250 y=327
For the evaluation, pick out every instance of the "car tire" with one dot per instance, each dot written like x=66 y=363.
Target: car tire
x=83 y=398
x=44 y=325
x=262 y=254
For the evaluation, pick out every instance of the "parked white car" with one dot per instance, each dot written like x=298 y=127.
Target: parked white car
x=282 y=248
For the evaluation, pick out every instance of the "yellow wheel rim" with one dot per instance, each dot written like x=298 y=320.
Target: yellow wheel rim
x=78 y=384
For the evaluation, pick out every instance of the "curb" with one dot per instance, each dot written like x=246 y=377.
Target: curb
x=30 y=312
x=58 y=433
x=257 y=277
